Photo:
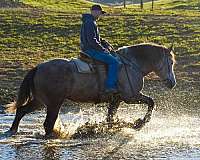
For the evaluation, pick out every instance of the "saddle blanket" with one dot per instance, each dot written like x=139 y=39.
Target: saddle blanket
x=83 y=67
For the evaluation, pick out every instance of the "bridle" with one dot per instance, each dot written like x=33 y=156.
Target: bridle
x=162 y=64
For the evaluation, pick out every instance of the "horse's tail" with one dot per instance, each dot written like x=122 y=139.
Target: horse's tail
x=25 y=93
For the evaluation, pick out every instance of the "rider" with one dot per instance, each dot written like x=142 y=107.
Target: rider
x=97 y=48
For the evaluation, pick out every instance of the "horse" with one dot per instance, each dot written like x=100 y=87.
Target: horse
x=48 y=84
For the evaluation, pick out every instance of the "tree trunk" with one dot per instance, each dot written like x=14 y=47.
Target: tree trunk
x=152 y=4
x=141 y=4
x=124 y=3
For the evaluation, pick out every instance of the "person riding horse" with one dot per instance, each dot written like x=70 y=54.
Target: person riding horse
x=97 y=48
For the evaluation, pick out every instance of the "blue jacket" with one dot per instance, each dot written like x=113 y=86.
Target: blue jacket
x=90 y=38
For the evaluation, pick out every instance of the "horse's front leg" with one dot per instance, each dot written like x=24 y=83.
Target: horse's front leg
x=142 y=99
x=149 y=101
x=112 y=109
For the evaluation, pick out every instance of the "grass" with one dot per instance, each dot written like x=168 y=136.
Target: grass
x=70 y=6
x=47 y=29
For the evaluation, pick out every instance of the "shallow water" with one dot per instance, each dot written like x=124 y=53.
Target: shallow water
x=173 y=132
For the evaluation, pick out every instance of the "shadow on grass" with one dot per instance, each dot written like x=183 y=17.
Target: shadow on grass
x=12 y=4
x=42 y=32
x=11 y=77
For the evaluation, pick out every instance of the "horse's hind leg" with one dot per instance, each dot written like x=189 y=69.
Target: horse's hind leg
x=21 y=112
x=51 y=117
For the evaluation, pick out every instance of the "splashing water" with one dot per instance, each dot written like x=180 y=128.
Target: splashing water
x=172 y=133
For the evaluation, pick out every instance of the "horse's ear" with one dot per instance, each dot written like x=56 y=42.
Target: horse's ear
x=171 y=47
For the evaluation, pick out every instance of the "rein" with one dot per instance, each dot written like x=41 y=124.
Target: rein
x=129 y=81
x=125 y=61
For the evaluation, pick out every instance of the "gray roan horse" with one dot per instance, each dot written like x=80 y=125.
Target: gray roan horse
x=49 y=83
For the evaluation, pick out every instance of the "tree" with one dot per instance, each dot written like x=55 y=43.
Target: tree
x=141 y=4
x=152 y=4
x=124 y=3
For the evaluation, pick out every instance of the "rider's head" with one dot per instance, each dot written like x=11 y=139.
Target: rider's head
x=97 y=11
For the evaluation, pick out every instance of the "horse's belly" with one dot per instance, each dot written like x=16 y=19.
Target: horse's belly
x=83 y=99
x=85 y=88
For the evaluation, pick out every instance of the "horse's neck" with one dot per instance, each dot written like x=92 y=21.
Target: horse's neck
x=137 y=64
x=145 y=68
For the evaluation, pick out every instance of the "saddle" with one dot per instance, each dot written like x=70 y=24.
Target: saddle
x=86 y=64
x=86 y=58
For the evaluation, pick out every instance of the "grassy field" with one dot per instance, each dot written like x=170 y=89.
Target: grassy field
x=41 y=30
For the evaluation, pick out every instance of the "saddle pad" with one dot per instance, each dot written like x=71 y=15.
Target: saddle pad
x=83 y=67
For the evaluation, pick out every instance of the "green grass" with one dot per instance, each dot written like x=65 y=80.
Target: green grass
x=49 y=29
x=70 y=6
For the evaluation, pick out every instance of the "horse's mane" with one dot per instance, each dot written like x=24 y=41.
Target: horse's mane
x=146 y=51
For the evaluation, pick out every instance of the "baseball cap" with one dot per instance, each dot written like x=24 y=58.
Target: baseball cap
x=97 y=7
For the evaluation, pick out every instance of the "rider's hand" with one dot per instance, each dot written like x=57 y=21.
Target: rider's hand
x=110 y=48
x=107 y=51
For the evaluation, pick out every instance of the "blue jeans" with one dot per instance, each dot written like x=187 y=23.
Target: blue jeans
x=113 y=66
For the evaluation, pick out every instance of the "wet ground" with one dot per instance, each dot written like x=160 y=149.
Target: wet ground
x=172 y=134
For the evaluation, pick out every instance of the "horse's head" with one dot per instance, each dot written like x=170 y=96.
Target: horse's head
x=152 y=57
x=165 y=67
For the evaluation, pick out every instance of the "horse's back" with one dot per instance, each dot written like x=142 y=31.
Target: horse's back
x=54 y=69
x=58 y=62
x=61 y=78
x=53 y=78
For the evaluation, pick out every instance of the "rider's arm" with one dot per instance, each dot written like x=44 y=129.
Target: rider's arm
x=92 y=37
x=106 y=44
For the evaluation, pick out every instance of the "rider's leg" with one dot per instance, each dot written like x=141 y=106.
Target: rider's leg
x=113 y=67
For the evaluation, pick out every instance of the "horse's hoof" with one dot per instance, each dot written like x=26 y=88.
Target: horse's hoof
x=138 y=124
x=50 y=136
x=7 y=134
x=110 y=121
x=147 y=119
x=56 y=135
x=10 y=133
x=110 y=125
